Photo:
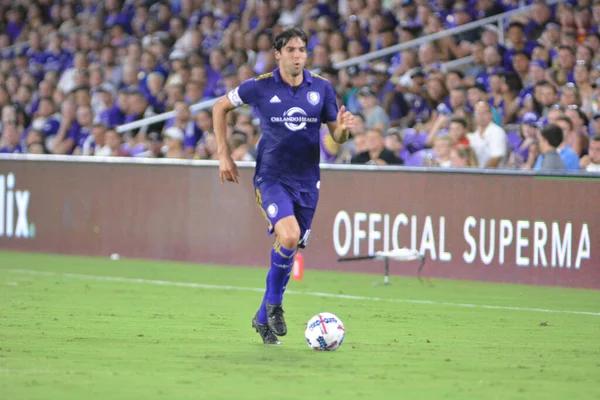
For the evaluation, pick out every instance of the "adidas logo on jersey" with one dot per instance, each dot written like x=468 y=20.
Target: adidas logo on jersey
x=275 y=99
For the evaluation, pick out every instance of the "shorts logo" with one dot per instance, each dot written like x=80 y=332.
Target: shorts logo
x=272 y=210
x=313 y=98
x=294 y=119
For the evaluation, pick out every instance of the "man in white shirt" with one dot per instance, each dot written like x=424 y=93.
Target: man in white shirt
x=489 y=141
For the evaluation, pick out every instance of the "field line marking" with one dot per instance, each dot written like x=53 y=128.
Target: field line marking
x=295 y=292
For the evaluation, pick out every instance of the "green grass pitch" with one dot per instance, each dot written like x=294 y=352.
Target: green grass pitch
x=67 y=335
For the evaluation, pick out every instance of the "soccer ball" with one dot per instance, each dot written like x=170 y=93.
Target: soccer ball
x=325 y=332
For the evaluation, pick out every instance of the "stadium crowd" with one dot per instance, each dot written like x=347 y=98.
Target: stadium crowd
x=72 y=71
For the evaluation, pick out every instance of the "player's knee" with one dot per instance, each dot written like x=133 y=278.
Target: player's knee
x=290 y=239
x=288 y=233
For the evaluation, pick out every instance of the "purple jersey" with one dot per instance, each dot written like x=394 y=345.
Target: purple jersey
x=51 y=126
x=289 y=148
x=56 y=61
x=112 y=117
x=78 y=134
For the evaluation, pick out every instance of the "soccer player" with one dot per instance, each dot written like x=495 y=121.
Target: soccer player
x=292 y=103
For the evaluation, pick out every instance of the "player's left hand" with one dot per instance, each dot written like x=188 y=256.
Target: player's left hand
x=345 y=119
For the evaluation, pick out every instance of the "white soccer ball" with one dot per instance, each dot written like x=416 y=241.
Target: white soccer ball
x=325 y=332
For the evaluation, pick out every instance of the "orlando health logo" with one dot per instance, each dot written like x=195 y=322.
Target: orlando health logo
x=294 y=119
x=14 y=203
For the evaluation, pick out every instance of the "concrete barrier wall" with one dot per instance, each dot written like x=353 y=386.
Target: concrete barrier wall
x=490 y=227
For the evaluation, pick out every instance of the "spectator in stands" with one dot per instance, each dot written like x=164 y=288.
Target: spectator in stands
x=391 y=100
x=394 y=141
x=457 y=131
x=81 y=131
x=477 y=52
x=376 y=153
x=349 y=148
x=591 y=162
x=115 y=115
x=489 y=140
x=174 y=142
x=550 y=138
x=493 y=64
x=463 y=157
x=528 y=133
x=583 y=84
x=375 y=115
x=33 y=136
x=578 y=137
x=533 y=154
x=545 y=96
x=594 y=127
x=567 y=154
x=429 y=57
x=10 y=139
x=100 y=145
x=62 y=143
x=540 y=16
x=183 y=120
x=563 y=72
x=114 y=141
x=537 y=74
x=207 y=149
x=441 y=148
x=478 y=93
x=204 y=120
x=240 y=147
x=356 y=78
x=517 y=44
x=46 y=118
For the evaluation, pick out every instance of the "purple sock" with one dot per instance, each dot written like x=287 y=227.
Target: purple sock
x=281 y=260
x=288 y=275
x=278 y=276
x=262 y=311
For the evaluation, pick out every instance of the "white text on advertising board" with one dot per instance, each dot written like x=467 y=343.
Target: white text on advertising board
x=14 y=206
x=485 y=240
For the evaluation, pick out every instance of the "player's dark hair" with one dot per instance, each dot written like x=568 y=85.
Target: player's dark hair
x=553 y=134
x=285 y=36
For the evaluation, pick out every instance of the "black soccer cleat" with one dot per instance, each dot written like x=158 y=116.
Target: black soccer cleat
x=267 y=336
x=275 y=319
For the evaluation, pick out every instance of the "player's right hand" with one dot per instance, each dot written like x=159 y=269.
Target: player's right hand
x=228 y=170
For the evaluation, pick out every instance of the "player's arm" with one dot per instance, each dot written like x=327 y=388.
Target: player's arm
x=339 y=122
x=246 y=93
x=227 y=168
x=340 y=129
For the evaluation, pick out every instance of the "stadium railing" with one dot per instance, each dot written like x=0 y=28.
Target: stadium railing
x=499 y=19
x=7 y=157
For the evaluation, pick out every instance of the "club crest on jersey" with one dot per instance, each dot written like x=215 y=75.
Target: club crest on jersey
x=272 y=210
x=313 y=98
